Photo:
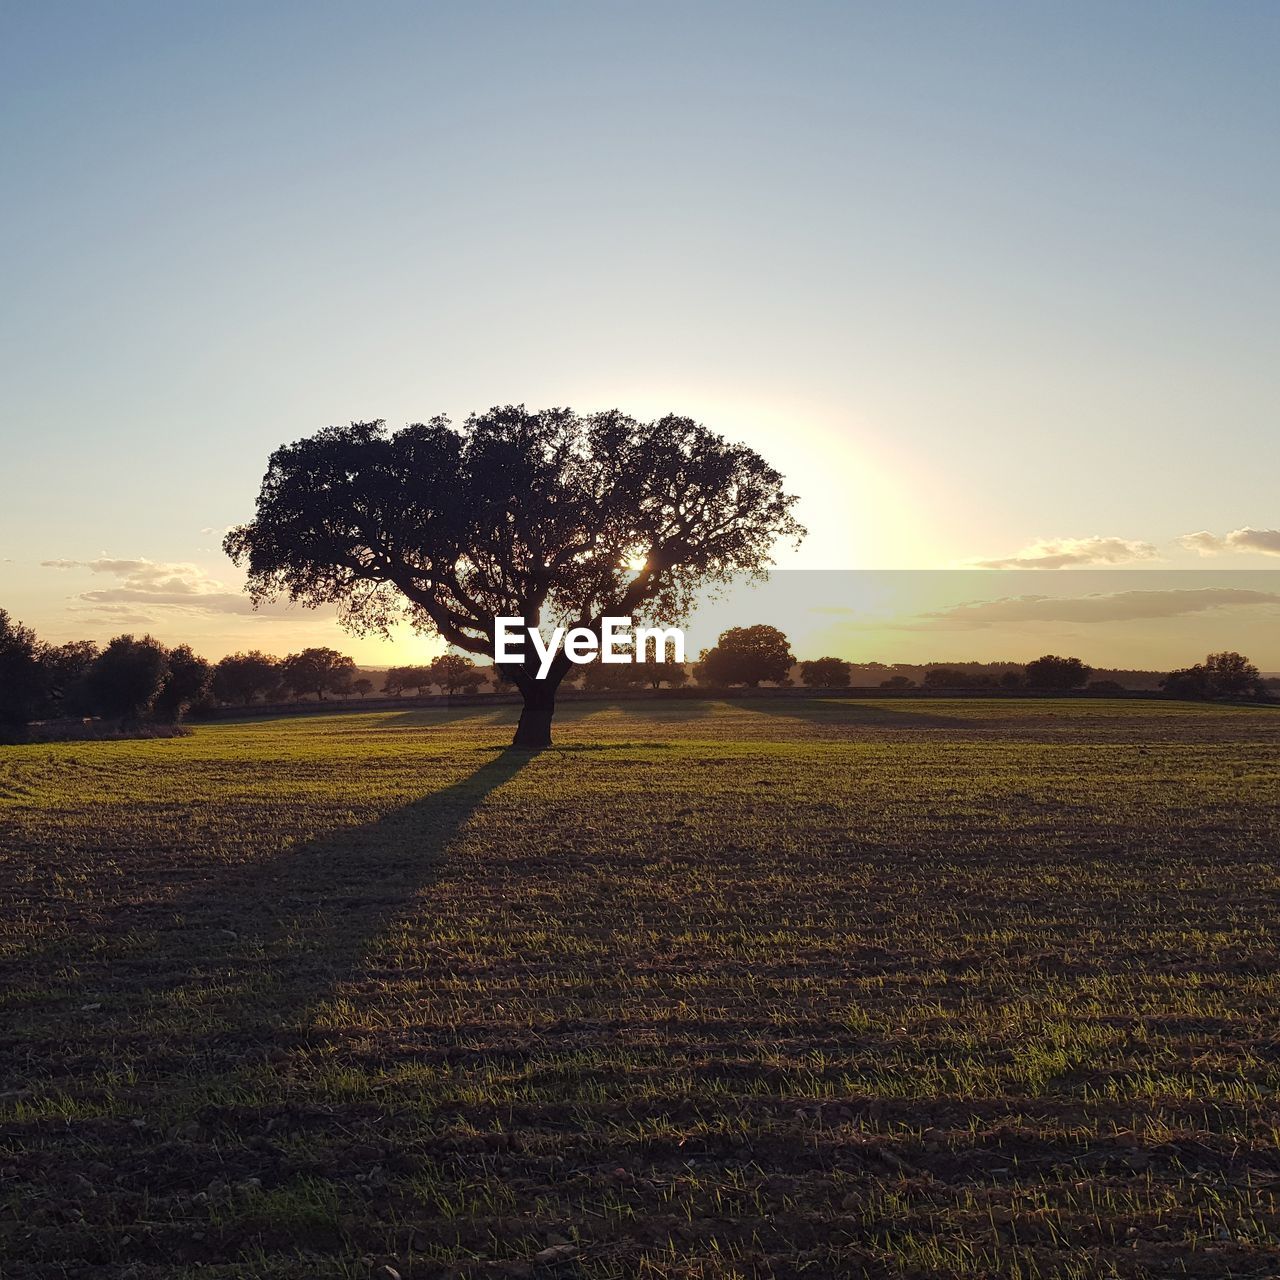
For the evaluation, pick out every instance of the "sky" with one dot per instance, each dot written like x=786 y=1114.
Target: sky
x=993 y=285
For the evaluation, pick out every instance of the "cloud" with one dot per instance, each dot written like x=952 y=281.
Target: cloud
x=148 y=576
x=206 y=602
x=170 y=586
x=1265 y=541
x=1063 y=553
x=1117 y=606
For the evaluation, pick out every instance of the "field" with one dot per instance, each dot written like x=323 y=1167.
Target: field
x=773 y=988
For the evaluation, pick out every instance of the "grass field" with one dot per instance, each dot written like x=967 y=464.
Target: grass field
x=773 y=988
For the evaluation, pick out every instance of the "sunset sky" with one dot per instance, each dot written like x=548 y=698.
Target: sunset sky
x=992 y=285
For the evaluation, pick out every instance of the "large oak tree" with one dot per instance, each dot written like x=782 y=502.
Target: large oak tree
x=554 y=517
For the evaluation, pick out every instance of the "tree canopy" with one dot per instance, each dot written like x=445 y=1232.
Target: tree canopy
x=1053 y=672
x=551 y=516
x=318 y=670
x=825 y=673
x=747 y=655
x=1220 y=675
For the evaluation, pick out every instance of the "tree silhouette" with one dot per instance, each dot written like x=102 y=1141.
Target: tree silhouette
x=1220 y=675
x=319 y=671
x=188 y=680
x=66 y=668
x=1052 y=672
x=451 y=671
x=127 y=677
x=825 y=673
x=363 y=686
x=747 y=655
x=242 y=677
x=553 y=517
x=22 y=678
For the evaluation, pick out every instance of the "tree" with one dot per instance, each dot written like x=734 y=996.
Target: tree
x=243 y=677
x=66 y=668
x=22 y=678
x=655 y=674
x=946 y=678
x=393 y=682
x=186 y=683
x=127 y=677
x=1220 y=675
x=363 y=686
x=418 y=678
x=543 y=516
x=1052 y=672
x=1232 y=674
x=605 y=677
x=451 y=671
x=317 y=671
x=898 y=682
x=747 y=655
x=825 y=673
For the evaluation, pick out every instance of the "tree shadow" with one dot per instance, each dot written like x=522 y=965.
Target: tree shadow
x=249 y=953
x=666 y=709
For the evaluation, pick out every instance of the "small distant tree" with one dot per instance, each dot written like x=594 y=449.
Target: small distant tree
x=187 y=682
x=66 y=668
x=22 y=678
x=419 y=677
x=898 y=682
x=1104 y=687
x=1011 y=680
x=127 y=677
x=945 y=678
x=601 y=677
x=1220 y=675
x=747 y=655
x=454 y=673
x=245 y=677
x=1052 y=672
x=393 y=682
x=1232 y=674
x=319 y=671
x=656 y=674
x=363 y=686
x=825 y=673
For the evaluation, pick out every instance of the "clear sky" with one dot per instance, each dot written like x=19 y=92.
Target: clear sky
x=988 y=282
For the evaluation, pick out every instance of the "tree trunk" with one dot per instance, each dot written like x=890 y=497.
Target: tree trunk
x=534 y=729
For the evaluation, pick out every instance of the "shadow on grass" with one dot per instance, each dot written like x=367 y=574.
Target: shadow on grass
x=852 y=712
x=665 y=709
x=252 y=951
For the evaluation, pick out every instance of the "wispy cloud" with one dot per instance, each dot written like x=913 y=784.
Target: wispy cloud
x=150 y=577
x=167 y=586
x=1066 y=553
x=1265 y=541
x=1117 y=606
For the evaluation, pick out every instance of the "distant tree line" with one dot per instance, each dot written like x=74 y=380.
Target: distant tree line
x=138 y=680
